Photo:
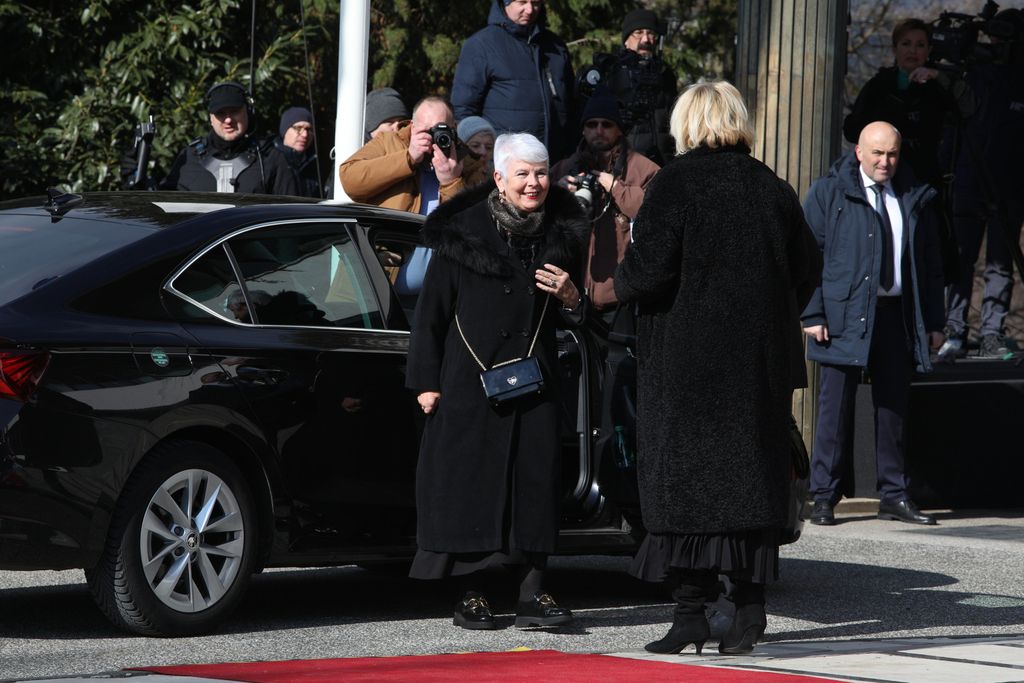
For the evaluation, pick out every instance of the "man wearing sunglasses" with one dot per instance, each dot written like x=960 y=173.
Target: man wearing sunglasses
x=620 y=178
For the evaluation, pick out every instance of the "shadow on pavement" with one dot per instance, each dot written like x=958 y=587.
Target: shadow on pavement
x=849 y=600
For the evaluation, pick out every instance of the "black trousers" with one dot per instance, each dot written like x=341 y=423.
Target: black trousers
x=890 y=364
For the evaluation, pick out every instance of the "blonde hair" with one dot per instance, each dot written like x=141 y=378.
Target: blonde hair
x=711 y=114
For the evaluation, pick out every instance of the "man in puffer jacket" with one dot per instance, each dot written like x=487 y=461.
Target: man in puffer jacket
x=518 y=75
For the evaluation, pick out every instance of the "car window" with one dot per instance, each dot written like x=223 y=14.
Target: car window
x=212 y=288
x=37 y=250
x=404 y=262
x=308 y=275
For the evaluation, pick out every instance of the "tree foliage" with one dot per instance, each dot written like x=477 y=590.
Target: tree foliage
x=75 y=78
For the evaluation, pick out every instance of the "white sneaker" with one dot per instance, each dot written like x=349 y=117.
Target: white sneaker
x=950 y=349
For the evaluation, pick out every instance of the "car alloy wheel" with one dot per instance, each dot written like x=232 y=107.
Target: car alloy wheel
x=182 y=543
x=191 y=540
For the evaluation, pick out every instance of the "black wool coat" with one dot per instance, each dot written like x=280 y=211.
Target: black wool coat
x=720 y=250
x=488 y=478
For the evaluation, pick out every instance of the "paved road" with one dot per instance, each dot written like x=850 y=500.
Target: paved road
x=861 y=587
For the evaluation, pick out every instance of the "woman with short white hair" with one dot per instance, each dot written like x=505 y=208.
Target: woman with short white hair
x=483 y=361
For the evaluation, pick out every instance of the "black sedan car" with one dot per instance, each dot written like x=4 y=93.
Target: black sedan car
x=194 y=387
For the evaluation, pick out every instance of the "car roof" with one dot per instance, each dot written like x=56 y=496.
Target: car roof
x=166 y=209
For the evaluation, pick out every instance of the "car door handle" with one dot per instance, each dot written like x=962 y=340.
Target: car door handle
x=265 y=376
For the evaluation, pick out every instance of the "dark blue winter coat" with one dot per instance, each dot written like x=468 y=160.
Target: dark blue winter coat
x=520 y=79
x=847 y=229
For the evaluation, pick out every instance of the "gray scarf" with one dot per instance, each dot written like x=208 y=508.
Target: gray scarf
x=511 y=220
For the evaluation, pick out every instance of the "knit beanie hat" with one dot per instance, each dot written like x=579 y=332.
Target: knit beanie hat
x=602 y=105
x=471 y=125
x=640 y=18
x=383 y=104
x=294 y=115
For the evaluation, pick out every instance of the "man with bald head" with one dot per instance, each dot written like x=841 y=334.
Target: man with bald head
x=879 y=308
x=403 y=169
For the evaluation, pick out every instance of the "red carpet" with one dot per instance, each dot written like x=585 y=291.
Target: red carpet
x=533 y=666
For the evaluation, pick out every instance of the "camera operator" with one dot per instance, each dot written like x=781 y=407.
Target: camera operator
x=228 y=158
x=987 y=179
x=615 y=177
x=413 y=168
x=641 y=81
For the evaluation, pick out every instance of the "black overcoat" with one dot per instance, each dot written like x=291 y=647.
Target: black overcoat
x=720 y=249
x=487 y=478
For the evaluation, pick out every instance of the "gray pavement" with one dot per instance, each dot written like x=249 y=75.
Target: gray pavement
x=912 y=600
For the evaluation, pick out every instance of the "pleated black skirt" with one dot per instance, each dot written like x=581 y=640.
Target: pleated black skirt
x=751 y=555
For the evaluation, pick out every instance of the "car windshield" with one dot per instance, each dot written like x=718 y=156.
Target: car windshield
x=34 y=250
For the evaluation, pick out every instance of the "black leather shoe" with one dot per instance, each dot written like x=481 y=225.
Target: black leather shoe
x=904 y=510
x=541 y=611
x=474 y=613
x=822 y=514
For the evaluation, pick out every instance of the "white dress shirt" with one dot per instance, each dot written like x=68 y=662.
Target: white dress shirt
x=892 y=205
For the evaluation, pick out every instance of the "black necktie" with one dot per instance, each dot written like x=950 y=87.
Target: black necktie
x=888 y=271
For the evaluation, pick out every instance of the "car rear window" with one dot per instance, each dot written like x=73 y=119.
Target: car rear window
x=34 y=250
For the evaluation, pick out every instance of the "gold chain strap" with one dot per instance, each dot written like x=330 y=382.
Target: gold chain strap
x=507 y=362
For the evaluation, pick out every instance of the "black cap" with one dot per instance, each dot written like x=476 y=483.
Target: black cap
x=223 y=95
x=602 y=105
x=640 y=18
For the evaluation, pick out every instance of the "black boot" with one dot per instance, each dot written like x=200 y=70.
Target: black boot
x=689 y=624
x=750 y=621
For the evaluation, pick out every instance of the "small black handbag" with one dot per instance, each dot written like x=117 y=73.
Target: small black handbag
x=512 y=378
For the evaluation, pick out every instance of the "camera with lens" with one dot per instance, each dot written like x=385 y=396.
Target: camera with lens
x=586 y=186
x=954 y=37
x=443 y=136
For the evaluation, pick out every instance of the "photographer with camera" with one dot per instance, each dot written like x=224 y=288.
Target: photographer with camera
x=609 y=179
x=641 y=81
x=413 y=168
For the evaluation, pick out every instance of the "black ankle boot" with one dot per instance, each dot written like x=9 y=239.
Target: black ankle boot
x=686 y=629
x=749 y=623
x=689 y=625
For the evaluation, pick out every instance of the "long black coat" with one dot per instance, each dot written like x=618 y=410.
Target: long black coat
x=488 y=477
x=720 y=249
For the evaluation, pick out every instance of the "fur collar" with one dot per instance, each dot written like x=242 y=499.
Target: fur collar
x=458 y=229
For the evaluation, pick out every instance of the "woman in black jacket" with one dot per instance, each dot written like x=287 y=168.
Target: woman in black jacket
x=918 y=100
x=720 y=250
x=505 y=260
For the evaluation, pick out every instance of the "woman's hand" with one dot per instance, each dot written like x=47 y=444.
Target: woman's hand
x=555 y=281
x=922 y=74
x=428 y=401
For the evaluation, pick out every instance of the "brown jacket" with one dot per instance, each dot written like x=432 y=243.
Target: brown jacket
x=610 y=234
x=381 y=173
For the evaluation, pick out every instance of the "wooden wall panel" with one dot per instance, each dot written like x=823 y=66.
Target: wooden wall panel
x=790 y=65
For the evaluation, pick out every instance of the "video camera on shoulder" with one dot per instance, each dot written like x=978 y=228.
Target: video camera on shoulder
x=955 y=37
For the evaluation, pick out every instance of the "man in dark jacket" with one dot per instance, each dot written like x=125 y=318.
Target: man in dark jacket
x=643 y=83
x=879 y=306
x=295 y=142
x=517 y=74
x=228 y=158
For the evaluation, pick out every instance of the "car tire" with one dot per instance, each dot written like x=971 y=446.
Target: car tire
x=181 y=546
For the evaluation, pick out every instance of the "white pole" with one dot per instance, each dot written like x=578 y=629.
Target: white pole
x=353 y=57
